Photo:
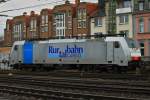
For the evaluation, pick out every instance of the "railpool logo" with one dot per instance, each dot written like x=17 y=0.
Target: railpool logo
x=68 y=51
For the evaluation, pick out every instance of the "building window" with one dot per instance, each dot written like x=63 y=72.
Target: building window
x=149 y=25
x=79 y=14
x=127 y=4
x=17 y=31
x=44 y=23
x=141 y=25
x=60 y=24
x=81 y=18
x=141 y=5
x=69 y=23
x=98 y=22
x=69 y=20
x=124 y=19
x=44 y=20
x=33 y=27
x=33 y=23
x=149 y=4
x=142 y=48
x=69 y=13
x=44 y=29
x=24 y=27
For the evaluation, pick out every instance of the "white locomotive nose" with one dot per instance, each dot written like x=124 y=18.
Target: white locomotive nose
x=135 y=54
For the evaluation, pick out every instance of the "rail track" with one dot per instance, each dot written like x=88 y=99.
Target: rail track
x=75 y=89
x=78 y=74
x=56 y=95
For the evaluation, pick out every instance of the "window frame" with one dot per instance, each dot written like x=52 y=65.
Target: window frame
x=149 y=25
x=82 y=17
x=141 y=25
x=98 y=22
x=123 y=19
x=127 y=4
x=141 y=5
x=142 y=48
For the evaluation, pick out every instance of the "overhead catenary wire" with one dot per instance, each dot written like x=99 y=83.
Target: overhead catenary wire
x=32 y=6
x=1 y=15
x=2 y=1
x=55 y=2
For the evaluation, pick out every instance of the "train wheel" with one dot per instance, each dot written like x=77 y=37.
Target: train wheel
x=119 y=71
x=93 y=69
x=124 y=69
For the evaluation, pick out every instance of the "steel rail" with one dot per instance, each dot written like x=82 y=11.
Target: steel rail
x=59 y=95
x=92 y=88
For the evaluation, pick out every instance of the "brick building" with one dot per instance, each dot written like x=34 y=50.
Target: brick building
x=8 y=32
x=83 y=17
x=142 y=20
x=72 y=19
x=63 y=16
x=45 y=28
x=20 y=27
x=33 y=29
x=63 y=20
x=1 y=41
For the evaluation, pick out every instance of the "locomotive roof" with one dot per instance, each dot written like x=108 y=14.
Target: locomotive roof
x=63 y=41
x=19 y=42
x=114 y=38
x=52 y=41
x=71 y=40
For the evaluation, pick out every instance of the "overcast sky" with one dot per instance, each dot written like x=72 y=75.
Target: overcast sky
x=14 y=4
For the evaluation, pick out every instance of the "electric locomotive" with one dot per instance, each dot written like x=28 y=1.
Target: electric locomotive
x=93 y=53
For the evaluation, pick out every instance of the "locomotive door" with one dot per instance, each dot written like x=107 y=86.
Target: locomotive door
x=110 y=52
x=28 y=53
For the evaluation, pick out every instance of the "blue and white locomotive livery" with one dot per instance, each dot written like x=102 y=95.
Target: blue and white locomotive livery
x=99 y=52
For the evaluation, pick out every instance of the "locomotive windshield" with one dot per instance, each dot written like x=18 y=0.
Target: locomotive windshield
x=132 y=43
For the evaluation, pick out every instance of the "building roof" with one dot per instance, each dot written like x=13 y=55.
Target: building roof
x=72 y=6
x=23 y=18
x=91 y=7
x=46 y=9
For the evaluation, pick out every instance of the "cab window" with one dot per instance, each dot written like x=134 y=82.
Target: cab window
x=16 y=47
x=132 y=43
x=116 y=44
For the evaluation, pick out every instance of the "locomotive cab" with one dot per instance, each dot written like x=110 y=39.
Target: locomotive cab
x=131 y=52
x=135 y=53
x=134 y=49
x=15 y=54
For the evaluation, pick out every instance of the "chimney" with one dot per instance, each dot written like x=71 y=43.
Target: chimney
x=32 y=13
x=77 y=1
x=25 y=13
x=67 y=2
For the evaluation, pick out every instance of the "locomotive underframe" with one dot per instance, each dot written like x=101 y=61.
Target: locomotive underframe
x=81 y=67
